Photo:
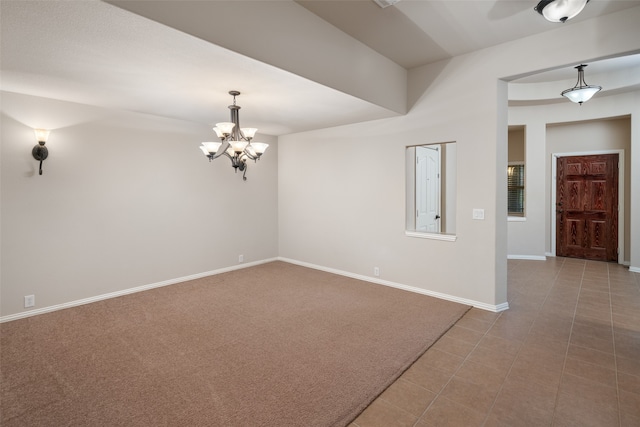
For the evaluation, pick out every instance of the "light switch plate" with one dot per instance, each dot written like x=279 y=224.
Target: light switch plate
x=478 y=214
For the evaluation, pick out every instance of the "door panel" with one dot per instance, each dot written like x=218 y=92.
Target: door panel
x=587 y=207
x=428 y=189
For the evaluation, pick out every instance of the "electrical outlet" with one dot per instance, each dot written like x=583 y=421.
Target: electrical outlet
x=29 y=301
x=240 y=258
x=376 y=271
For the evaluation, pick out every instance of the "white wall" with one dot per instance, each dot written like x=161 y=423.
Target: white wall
x=566 y=127
x=125 y=200
x=342 y=190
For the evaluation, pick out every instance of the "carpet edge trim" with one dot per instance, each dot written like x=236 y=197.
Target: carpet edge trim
x=409 y=364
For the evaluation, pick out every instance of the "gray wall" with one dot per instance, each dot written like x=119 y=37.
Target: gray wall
x=125 y=200
x=343 y=207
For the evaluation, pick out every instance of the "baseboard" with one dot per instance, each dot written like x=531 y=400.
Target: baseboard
x=96 y=298
x=635 y=269
x=476 y=304
x=529 y=257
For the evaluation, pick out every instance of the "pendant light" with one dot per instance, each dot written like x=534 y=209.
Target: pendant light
x=581 y=92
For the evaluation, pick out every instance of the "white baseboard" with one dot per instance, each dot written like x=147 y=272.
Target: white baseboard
x=634 y=269
x=549 y=254
x=529 y=257
x=477 y=304
x=96 y=298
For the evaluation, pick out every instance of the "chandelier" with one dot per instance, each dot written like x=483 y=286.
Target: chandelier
x=560 y=10
x=235 y=142
x=581 y=92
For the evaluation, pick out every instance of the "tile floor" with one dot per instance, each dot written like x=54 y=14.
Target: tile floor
x=566 y=353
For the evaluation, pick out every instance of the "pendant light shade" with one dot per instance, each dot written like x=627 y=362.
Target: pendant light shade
x=560 y=10
x=581 y=92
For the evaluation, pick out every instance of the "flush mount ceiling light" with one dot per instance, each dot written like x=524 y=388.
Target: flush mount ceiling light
x=581 y=92
x=235 y=143
x=560 y=10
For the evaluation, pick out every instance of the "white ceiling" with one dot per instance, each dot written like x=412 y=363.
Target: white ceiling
x=97 y=53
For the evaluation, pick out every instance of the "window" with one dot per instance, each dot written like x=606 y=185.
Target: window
x=515 y=189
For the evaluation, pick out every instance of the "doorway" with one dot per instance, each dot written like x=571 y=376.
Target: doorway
x=586 y=205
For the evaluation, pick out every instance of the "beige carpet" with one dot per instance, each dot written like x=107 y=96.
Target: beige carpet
x=271 y=345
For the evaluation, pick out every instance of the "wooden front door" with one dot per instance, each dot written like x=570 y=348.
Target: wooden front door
x=587 y=207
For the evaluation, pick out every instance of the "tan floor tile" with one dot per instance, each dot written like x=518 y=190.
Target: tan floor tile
x=595 y=329
x=472 y=395
x=521 y=403
x=535 y=371
x=454 y=346
x=383 y=414
x=482 y=315
x=627 y=420
x=492 y=356
x=445 y=362
x=574 y=410
x=588 y=314
x=591 y=372
x=583 y=389
x=547 y=342
x=630 y=403
x=593 y=356
x=628 y=366
x=629 y=383
x=590 y=341
x=510 y=330
x=474 y=324
x=503 y=345
x=427 y=376
x=627 y=346
x=487 y=376
x=408 y=396
x=626 y=323
x=445 y=413
x=464 y=334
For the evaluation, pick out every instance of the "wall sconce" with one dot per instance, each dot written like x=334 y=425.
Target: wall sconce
x=40 y=152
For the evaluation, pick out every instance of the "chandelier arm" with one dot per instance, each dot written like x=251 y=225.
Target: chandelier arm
x=249 y=155
x=222 y=150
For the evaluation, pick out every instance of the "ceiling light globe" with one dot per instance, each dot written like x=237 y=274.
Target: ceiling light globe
x=225 y=127
x=210 y=147
x=249 y=133
x=580 y=95
x=560 y=10
x=238 y=146
x=259 y=147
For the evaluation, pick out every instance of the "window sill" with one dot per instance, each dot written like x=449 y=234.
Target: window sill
x=516 y=219
x=432 y=236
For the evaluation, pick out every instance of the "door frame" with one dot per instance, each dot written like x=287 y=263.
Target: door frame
x=621 y=200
